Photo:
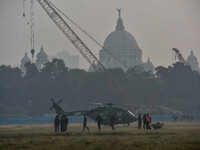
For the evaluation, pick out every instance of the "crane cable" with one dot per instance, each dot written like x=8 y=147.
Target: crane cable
x=93 y=39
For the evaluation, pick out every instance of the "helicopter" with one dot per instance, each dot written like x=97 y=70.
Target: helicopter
x=122 y=116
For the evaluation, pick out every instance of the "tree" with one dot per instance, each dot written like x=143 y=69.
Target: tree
x=31 y=70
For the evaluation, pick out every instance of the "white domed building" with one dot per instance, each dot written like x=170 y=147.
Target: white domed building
x=24 y=60
x=192 y=61
x=123 y=46
x=42 y=58
x=148 y=66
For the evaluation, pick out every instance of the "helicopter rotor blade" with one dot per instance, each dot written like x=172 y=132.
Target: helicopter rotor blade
x=59 y=101
x=51 y=108
x=53 y=100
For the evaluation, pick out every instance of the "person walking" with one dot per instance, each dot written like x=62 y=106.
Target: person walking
x=112 y=121
x=144 y=121
x=99 y=121
x=57 y=123
x=85 y=123
x=148 y=121
x=139 y=122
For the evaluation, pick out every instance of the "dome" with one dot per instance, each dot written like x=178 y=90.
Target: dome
x=25 y=59
x=148 y=66
x=191 y=58
x=120 y=38
x=123 y=46
x=42 y=54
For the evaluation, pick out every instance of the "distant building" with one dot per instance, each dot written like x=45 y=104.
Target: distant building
x=71 y=61
x=24 y=60
x=149 y=67
x=124 y=46
x=192 y=61
x=42 y=58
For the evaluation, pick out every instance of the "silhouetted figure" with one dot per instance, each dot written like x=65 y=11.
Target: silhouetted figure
x=191 y=118
x=148 y=121
x=175 y=117
x=57 y=123
x=112 y=121
x=99 y=121
x=139 y=121
x=64 y=123
x=188 y=118
x=144 y=121
x=85 y=123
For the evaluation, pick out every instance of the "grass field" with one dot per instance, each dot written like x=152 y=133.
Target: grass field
x=173 y=136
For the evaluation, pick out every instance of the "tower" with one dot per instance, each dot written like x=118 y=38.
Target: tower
x=24 y=60
x=42 y=58
x=192 y=61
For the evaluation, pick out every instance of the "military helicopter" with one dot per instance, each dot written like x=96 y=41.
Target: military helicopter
x=122 y=116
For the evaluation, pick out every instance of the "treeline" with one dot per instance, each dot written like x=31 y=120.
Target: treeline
x=178 y=86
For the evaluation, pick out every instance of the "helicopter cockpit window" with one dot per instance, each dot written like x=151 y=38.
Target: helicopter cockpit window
x=130 y=113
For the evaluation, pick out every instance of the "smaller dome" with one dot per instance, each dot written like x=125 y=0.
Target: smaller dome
x=42 y=54
x=192 y=57
x=148 y=66
x=25 y=59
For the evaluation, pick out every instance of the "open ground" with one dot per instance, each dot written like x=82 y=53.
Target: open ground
x=173 y=136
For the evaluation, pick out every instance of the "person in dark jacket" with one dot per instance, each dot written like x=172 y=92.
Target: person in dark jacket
x=144 y=121
x=85 y=123
x=112 y=121
x=99 y=121
x=64 y=123
x=57 y=123
x=139 y=121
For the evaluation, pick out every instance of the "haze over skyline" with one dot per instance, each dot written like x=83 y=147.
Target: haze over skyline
x=157 y=25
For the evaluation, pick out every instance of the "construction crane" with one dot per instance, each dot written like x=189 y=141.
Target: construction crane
x=179 y=55
x=84 y=50
x=92 y=38
x=32 y=27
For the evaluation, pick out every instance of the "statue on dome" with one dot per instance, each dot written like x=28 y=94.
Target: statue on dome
x=119 y=11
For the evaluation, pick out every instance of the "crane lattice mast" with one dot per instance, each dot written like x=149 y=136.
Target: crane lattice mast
x=32 y=27
x=179 y=55
x=84 y=50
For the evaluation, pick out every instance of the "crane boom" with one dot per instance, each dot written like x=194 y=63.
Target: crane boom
x=179 y=55
x=84 y=50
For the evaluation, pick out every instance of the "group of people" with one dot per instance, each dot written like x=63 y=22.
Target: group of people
x=61 y=123
x=182 y=118
x=146 y=119
x=99 y=121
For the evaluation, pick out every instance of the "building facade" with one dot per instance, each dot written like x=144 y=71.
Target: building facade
x=192 y=61
x=124 y=47
x=71 y=61
x=42 y=58
x=24 y=60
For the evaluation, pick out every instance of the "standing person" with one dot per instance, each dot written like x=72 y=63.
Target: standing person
x=85 y=123
x=64 y=123
x=144 y=121
x=139 y=121
x=112 y=121
x=148 y=121
x=99 y=120
x=56 y=123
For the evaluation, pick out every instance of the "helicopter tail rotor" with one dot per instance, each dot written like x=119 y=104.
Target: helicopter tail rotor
x=58 y=109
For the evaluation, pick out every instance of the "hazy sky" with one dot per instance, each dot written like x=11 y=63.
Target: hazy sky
x=157 y=25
